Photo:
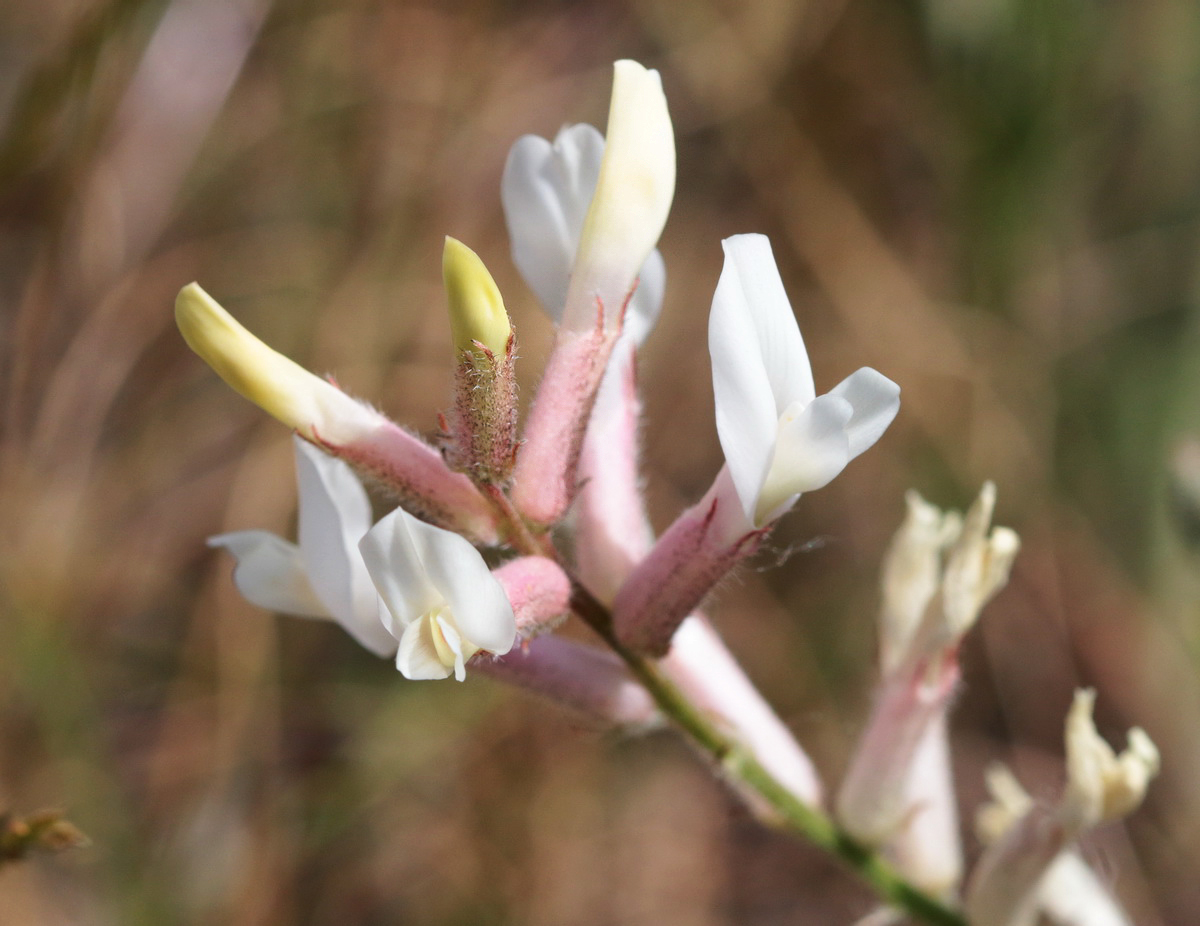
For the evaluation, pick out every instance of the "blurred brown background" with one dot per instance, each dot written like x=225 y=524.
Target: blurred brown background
x=994 y=202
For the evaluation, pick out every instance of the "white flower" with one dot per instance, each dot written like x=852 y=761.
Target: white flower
x=977 y=565
x=324 y=575
x=913 y=572
x=780 y=438
x=443 y=603
x=1069 y=893
x=546 y=191
x=940 y=571
x=1030 y=863
x=1102 y=785
x=584 y=217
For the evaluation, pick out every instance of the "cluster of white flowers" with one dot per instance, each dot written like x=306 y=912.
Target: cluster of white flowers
x=584 y=213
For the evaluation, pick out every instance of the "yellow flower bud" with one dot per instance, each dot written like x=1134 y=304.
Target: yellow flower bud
x=476 y=308
x=316 y=409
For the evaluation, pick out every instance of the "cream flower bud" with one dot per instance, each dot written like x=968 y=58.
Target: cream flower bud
x=321 y=413
x=480 y=436
x=1009 y=803
x=477 y=311
x=1030 y=865
x=316 y=409
x=912 y=572
x=1102 y=785
x=978 y=565
x=632 y=199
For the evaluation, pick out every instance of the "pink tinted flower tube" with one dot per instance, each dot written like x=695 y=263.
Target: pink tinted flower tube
x=779 y=437
x=938 y=574
x=633 y=192
x=322 y=414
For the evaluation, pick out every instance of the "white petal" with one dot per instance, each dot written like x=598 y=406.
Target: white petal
x=481 y=610
x=546 y=191
x=784 y=357
x=632 y=198
x=1071 y=894
x=417 y=657
x=1101 y=785
x=270 y=573
x=334 y=515
x=875 y=399
x=760 y=365
x=394 y=563
x=455 y=642
x=811 y=449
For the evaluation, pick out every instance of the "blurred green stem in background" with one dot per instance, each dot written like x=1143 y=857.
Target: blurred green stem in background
x=57 y=100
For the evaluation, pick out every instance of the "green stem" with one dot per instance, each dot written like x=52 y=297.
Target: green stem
x=791 y=813
x=737 y=763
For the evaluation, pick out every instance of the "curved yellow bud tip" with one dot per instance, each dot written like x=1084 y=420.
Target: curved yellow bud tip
x=306 y=403
x=476 y=308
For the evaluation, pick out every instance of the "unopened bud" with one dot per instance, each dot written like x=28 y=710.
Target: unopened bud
x=313 y=407
x=912 y=572
x=978 y=564
x=481 y=432
x=321 y=413
x=477 y=314
x=539 y=592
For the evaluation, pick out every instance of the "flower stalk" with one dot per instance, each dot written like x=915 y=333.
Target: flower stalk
x=737 y=764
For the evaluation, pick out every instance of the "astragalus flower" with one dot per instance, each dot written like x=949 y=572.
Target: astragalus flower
x=546 y=191
x=633 y=190
x=1028 y=862
x=779 y=437
x=322 y=576
x=443 y=604
x=1069 y=893
x=323 y=414
x=938 y=574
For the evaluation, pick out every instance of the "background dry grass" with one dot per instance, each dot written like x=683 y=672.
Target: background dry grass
x=993 y=202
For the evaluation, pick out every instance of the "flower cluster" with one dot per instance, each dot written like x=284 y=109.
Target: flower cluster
x=584 y=214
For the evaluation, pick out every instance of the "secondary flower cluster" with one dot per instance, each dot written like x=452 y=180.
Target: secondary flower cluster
x=584 y=215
